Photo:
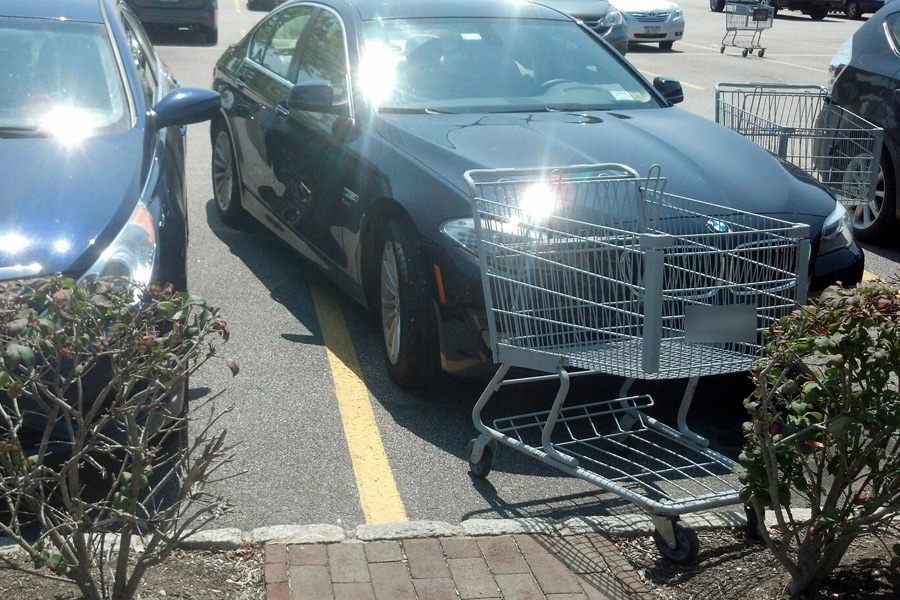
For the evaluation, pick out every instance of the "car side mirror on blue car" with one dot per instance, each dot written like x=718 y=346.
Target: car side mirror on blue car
x=184 y=106
x=670 y=89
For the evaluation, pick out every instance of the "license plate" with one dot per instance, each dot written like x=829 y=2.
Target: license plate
x=651 y=28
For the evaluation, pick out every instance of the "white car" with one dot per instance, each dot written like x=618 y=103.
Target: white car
x=652 y=21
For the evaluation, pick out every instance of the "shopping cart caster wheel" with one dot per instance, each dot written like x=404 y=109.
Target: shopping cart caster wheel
x=744 y=53
x=687 y=545
x=482 y=467
x=761 y=52
x=722 y=50
x=753 y=532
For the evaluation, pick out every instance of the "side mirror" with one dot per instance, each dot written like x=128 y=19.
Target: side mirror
x=669 y=88
x=185 y=106
x=316 y=95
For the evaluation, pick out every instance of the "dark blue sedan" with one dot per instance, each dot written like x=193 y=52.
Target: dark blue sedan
x=92 y=179
x=347 y=127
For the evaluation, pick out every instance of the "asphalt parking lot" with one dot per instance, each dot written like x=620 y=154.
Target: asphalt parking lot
x=325 y=435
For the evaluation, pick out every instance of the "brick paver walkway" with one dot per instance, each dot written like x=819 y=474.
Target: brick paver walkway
x=513 y=567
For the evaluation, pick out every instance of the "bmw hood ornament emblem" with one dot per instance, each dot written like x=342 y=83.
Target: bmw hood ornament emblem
x=717 y=226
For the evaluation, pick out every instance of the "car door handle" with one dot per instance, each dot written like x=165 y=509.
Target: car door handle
x=240 y=84
x=282 y=110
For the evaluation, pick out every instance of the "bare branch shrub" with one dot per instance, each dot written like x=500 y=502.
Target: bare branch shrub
x=825 y=430
x=98 y=481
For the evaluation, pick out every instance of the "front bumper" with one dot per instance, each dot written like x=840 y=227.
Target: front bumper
x=645 y=28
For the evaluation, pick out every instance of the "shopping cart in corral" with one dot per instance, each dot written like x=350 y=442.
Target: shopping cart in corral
x=594 y=269
x=744 y=24
x=800 y=124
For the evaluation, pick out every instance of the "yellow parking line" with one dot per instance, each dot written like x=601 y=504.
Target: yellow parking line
x=650 y=75
x=869 y=276
x=768 y=58
x=378 y=495
x=237 y=5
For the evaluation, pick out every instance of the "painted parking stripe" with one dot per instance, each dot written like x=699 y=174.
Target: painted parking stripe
x=768 y=59
x=237 y=6
x=378 y=495
x=869 y=276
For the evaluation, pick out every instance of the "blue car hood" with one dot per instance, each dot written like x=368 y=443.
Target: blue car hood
x=61 y=205
x=699 y=158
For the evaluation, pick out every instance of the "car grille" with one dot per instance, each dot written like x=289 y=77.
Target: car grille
x=651 y=17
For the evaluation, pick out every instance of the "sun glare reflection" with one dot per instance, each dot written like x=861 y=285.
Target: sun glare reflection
x=378 y=71
x=536 y=202
x=68 y=124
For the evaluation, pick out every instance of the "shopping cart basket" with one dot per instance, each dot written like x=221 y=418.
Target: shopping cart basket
x=744 y=24
x=595 y=269
x=800 y=124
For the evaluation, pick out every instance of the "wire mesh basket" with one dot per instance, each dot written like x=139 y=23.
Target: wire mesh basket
x=801 y=124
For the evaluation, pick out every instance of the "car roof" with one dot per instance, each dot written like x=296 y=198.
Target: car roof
x=71 y=10
x=398 y=9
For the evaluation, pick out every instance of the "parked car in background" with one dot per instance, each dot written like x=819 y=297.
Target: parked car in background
x=198 y=15
x=864 y=80
x=652 y=21
x=816 y=9
x=263 y=4
x=347 y=126
x=599 y=16
x=91 y=146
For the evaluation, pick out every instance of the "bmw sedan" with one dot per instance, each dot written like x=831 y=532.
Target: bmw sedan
x=864 y=80
x=91 y=145
x=347 y=127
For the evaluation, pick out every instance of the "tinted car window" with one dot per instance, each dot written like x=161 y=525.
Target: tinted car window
x=58 y=77
x=323 y=55
x=892 y=24
x=494 y=65
x=143 y=56
x=275 y=41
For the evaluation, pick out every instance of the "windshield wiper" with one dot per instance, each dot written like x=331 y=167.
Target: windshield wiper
x=16 y=132
x=402 y=110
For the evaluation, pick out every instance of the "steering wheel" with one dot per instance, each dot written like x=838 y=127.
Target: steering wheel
x=553 y=82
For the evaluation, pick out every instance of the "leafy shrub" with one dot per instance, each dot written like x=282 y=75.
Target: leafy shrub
x=825 y=429
x=94 y=457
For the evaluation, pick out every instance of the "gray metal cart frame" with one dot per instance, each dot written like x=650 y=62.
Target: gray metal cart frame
x=801 y=124
x=744 y=24
x=593 y=269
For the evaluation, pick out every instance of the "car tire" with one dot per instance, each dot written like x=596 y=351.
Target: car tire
x=405 y=308
x=817 y=14
x=874 y=221
x=666 y=45
x=225 y=178
x=716 y=5
x=852 y=10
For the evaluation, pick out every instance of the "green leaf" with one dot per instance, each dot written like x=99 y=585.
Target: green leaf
x=839 y=424
x=166 y=308
x=17 y=355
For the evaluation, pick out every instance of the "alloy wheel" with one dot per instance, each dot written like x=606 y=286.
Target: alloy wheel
x=223 y=171
x=866 y=214
x=390 y=302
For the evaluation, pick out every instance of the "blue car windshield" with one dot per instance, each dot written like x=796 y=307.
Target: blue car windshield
x=493 y=65
x=59 y=78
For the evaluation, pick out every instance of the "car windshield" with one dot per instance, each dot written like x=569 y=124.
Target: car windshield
x=59 y=78
x=493 y=65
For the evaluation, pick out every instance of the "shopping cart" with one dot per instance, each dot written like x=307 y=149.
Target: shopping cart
x=744 y=23
x=800 y=124
x=594 y=269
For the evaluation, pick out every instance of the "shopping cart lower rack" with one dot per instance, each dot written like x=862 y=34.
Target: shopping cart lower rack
x=744 y=24
x=593 y=268
x=801 y=124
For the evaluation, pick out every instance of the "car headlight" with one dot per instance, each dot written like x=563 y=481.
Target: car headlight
x=678 y=14
x=462 y=231
x=132 y=253
x=612 y=18
x=837 y=232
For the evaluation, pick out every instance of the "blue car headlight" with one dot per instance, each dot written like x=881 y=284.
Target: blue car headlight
x=837 y=233
x=133 y=252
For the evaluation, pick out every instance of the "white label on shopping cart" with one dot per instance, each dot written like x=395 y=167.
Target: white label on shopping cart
x=726 y=323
